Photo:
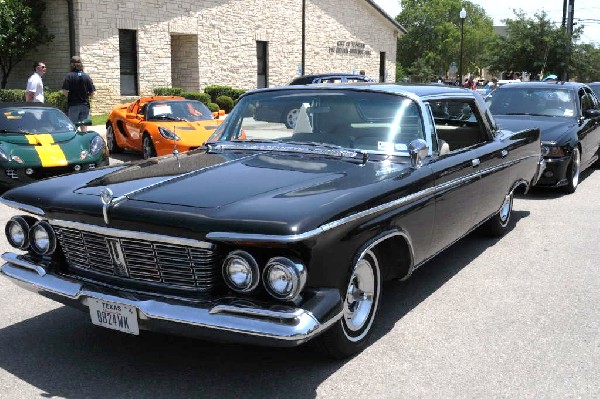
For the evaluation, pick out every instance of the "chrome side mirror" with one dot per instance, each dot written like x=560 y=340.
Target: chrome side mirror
x=418 y=149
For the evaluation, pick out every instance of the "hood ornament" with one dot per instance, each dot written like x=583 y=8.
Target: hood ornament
x=107 y=198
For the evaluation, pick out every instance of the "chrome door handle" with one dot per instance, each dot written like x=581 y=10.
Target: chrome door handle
x=475 y=162
x=504 y=153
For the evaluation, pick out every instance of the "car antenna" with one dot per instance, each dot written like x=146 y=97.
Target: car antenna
x=175 y=151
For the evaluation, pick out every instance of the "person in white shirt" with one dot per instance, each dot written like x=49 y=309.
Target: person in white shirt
x=35 y=87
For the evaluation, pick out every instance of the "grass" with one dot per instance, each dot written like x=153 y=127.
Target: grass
x=99 y=119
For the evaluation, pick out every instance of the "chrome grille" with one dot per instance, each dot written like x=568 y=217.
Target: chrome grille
x=176 y=266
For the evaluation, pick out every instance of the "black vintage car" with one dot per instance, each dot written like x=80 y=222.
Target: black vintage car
x=568 y=115
x=285 y=236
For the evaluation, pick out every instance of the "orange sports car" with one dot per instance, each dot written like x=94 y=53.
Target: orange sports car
x=159 y=125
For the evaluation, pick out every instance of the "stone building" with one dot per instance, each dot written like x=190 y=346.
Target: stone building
x=131 y=47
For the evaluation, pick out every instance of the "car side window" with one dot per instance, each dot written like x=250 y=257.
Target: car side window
x=458 y=123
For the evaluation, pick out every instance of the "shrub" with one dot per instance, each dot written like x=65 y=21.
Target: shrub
x=236 y=93
x=167 y=91
x=225 y=103
x=12 y=95
x=57 y=99
x=194 y=95
x=213 y=107
x=217 y=91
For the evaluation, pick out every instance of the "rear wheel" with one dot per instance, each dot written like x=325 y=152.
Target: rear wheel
x=111 y=141
x=291 y=116
x=351 y=333
x=573 y=172
x=498 y=224
x=148 y=149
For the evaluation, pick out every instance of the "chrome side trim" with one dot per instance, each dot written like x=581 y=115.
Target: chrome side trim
x=109 y=231
x=34 y=210
x=228 y=236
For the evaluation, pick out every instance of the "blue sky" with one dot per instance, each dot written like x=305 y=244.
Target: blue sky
x=587 y=12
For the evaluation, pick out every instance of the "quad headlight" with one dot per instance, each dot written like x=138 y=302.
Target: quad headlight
x=42 y=239
x=240 y=271
x=283 y=278
x=17 y=231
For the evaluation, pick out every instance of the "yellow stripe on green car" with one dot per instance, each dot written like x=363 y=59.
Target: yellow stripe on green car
x=49 y=152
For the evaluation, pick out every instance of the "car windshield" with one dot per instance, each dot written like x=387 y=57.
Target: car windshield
x=353 y=119
x=34 y=120
x=180 y=110
x=540 y=101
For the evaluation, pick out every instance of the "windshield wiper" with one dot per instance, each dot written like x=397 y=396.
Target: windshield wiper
x=525 y=113
x=169 y=117
x=12 y=131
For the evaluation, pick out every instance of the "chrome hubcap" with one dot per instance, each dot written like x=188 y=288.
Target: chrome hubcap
x=359 y=296
x=146 y=148
x=292 y=117
x=505 y=210
x=575 y=167
x=109 y=139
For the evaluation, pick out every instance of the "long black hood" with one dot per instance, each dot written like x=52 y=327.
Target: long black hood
x=258 y=192
x=557 y=129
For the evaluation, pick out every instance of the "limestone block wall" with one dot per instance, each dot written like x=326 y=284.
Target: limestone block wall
x=195 y=43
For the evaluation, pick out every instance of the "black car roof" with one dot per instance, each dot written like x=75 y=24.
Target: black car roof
x=542 y=85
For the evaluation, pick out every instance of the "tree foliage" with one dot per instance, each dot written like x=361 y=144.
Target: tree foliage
x=533 y=44
x=434 y=35
x=21 y=31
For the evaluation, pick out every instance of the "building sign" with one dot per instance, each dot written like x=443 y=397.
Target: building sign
x=352 y=48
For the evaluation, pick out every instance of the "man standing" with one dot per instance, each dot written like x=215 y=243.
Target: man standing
x=35 y=87
x=78 y=87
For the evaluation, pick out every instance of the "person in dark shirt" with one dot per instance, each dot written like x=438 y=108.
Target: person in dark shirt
x=78 y=87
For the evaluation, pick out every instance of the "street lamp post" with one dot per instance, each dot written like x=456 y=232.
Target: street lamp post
x=463 y=15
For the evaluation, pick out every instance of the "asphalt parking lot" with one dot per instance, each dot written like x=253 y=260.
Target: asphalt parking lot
x=516 y=317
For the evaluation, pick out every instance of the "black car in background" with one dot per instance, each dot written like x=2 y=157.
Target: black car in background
x=568 y=115
x=331 y=78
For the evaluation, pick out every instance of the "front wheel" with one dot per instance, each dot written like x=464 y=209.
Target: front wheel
x=351 y=333
x=111 y=141
x=498 y=224
x=573 y=172
x=148 y=149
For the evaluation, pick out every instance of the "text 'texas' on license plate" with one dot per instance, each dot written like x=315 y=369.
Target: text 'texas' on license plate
x=116 y=316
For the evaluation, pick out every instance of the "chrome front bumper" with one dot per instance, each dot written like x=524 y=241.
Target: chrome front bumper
x=228 y=319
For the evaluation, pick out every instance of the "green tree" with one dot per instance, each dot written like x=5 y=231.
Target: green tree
x=21 y=31
x=535 y=45
x=585 y=59
x=434 y=35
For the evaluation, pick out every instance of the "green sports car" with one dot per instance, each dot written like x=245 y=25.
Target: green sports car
x=38 y=141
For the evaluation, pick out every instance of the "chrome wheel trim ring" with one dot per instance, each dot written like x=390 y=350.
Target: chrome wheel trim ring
x=360 y=296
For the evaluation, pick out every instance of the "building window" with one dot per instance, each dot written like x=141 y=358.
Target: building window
x=128 y=59
x=262 y=64
x=382 y=66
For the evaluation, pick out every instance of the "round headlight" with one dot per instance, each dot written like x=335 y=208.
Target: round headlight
x=96 y=145
x=240 y=271
x=42 y=239
x=283 y=278
x=17 y=231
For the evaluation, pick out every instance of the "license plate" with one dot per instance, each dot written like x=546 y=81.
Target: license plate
x=116 y=316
